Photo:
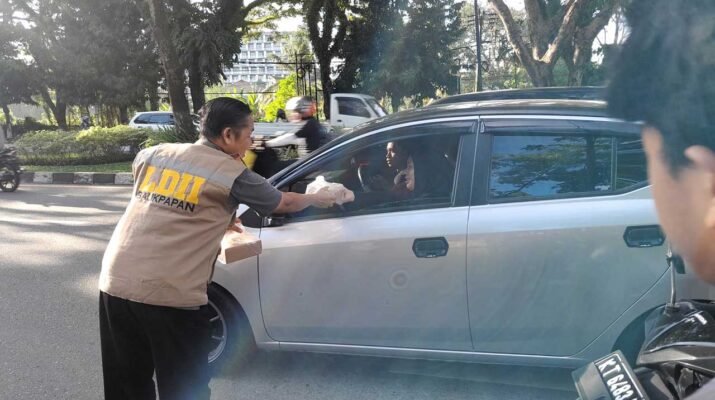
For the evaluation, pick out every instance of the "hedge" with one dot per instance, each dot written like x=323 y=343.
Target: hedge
x=91 y=146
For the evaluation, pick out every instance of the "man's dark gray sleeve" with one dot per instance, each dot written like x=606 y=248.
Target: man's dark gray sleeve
x=254 y=191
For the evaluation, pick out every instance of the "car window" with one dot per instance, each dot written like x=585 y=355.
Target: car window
x=162 y=119
x=419 y=172
x=630 y=163
x=535 y=166
x=353 y=107
x=379 y=111
x=142 y=119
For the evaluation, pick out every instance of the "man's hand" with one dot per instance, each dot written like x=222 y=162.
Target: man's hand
x=323 y=199
x=236 y=226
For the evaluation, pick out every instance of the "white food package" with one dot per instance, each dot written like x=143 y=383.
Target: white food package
x=342 y=194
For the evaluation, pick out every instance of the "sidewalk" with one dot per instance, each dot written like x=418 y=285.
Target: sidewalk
x=78 y=178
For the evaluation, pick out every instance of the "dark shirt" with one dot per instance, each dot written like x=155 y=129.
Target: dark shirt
x=312 y=132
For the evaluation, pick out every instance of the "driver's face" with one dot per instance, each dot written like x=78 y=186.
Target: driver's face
x=395 y=157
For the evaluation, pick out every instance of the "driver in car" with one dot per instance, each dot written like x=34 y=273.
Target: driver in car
x=666 y=78
x=399 y=159
x=400 y=163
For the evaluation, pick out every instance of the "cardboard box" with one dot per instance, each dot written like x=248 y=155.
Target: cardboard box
x=237 y=246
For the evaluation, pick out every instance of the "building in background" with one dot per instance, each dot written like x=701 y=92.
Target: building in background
x=256 y=63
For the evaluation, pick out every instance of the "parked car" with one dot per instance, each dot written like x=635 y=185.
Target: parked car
x=157 y=120
x=530 y=237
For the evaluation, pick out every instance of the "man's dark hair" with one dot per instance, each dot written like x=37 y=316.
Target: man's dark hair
x=665 y=75
x=220 y=113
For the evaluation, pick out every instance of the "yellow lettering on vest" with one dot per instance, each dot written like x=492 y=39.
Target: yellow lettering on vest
x=193 y=197
x=148 y=184
x=180 y=192
x=168 y=183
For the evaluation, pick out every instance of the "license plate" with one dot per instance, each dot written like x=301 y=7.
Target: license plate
x=619 y=378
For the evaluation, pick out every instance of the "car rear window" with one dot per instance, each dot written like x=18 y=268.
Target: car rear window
x=142 y=119
x=544 y=166
x=162 y=119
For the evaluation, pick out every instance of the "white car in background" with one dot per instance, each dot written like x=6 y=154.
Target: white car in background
x=157 y=120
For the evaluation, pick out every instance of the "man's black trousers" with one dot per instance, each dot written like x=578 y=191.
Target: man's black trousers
x=141 y=339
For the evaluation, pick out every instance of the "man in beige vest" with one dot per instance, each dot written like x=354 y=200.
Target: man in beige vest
x=160 y=258
x=666 y=78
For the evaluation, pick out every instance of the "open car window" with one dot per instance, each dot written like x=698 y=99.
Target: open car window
x=421 y=175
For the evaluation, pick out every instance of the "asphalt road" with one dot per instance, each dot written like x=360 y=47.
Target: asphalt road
x=51 y=242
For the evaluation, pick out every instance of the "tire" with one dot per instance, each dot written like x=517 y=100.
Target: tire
x=11 y=185
x=231 y=335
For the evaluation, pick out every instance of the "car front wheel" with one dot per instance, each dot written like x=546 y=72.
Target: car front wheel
x=232 y=340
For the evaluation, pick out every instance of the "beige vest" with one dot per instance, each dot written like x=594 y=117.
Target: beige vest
x=164 y=247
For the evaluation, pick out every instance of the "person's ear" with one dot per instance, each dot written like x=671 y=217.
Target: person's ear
x=226 y=134
x=703 y=160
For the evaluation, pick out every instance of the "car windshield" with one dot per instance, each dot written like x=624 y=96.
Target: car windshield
x=353 y=199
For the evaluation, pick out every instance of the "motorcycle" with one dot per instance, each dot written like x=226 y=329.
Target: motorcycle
x=10 y=170
x=676 y=359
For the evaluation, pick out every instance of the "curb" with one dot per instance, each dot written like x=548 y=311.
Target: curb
x=78 y=178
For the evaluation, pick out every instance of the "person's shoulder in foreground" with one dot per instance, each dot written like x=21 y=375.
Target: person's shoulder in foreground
x=665 y=77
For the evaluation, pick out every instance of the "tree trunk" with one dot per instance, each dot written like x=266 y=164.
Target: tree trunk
x=7 y=129
x=153 y=94
x=123 y=115
x=542 y=74
x=196 y=85
x=59 y=109
x=395 y=102
x=173 y=70
x=327 y=87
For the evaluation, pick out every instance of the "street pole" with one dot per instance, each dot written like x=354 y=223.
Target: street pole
x=478 y=31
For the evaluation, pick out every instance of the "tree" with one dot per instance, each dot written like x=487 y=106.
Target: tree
x=551 y=27
x=15 y=76
x=84 y=54
x=327 y=22
x=578 y=51
x=42 y=40
x=209 y=37
x=286 y=90
x=173 y=69
x=372 y=28
x=420 y=61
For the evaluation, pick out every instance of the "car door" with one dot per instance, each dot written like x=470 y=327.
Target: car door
x=381 y=271
x=548 y=268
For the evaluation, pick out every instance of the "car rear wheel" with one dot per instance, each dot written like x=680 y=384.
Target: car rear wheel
x=232 y=340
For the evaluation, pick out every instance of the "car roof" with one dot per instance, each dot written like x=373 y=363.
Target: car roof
x=153 y=112
x=574 y=108
x=543 y=93
x=570 y=108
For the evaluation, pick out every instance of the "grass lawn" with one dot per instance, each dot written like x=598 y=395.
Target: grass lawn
x=109 y=168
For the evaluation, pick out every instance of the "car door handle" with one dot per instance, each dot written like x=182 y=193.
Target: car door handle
x=644 y=236
x=430 y=247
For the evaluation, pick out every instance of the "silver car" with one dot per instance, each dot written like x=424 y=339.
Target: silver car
x=529 y=237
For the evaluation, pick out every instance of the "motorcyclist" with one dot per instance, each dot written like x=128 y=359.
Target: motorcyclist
x=666 y=78
x=302 y=110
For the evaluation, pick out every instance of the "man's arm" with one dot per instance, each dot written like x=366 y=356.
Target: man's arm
x=254 y=191
x=294 y=202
